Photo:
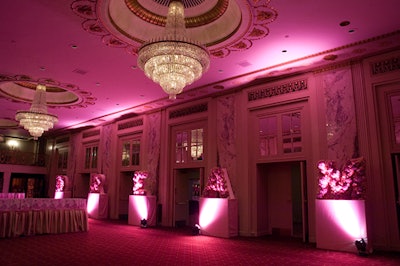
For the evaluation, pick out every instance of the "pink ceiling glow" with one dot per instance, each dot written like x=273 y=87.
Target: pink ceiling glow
x=88 y=48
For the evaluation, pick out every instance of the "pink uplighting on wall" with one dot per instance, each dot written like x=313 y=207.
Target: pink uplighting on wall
x=140 y=205
x=349 y=217
x=218 y=213
x=59 y=195
x=209 y=212
x=218 y=217
x=340 y=223
x=92 y=204
x=340 y=205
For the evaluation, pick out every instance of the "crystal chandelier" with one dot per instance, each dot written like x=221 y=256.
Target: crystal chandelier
x=37 y=120
x=173 y=60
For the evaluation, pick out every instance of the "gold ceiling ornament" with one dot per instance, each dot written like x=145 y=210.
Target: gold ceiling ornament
x=37 y=120
x=208 y=17
x=173 y=60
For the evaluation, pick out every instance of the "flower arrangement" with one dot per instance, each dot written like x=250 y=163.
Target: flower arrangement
x=216 y=185
x=60 y=183
x=96 y=184
x=349 y=183
x=138 y=182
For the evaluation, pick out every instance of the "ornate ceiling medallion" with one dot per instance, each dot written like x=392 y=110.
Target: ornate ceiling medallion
x=217 y=24
x=206 y=18
x=22 y=88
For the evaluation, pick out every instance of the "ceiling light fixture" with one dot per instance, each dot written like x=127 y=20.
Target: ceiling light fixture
x=37 y=120
x=173 y=60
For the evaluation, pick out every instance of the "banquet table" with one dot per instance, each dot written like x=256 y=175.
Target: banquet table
x=35 y=216
x=12 y=195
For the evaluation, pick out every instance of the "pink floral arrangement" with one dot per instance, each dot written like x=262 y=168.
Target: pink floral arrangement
x=96 y=185
x=216 y=185
x=349 y=183
x=60 y=183
x=138 y=182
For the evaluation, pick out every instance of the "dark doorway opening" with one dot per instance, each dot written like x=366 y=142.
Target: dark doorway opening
x=30 y=184
x=282 y=193
x=188 y=183
x=125 y=190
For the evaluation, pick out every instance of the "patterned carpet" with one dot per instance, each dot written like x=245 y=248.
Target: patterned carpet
x=116 y=243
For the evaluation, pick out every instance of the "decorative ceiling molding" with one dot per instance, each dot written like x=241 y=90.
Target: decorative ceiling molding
x=285 y=88
x=206 y=18
x=226 y=16
x=21 y=88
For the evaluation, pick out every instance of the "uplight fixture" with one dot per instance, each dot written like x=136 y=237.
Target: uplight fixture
x=143 y=223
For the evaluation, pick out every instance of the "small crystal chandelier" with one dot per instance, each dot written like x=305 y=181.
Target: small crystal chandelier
x=37 y=120
x=173 y=60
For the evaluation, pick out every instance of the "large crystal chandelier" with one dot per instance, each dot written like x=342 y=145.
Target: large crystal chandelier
x=173 y=60
x=37 y=120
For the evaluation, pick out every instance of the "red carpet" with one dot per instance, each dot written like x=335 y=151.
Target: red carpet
x=116 y=243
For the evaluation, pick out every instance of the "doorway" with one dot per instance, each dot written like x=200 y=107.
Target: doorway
x=30 y=184
x=187 y=193
x=396 y=180
x=125 y=189
x=1 y=181
x=82 y=186
x=388 y=110
x=282 y=208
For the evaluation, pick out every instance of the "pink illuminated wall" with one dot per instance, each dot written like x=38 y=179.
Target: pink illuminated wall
x=218 y=217
x=142 y=207
x=340 y=223
x=97 y=205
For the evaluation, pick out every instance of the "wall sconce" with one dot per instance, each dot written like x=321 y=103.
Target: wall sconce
x=12 y=143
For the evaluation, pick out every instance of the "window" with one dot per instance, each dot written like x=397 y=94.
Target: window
x=196 y=144
x=131 y=152
x=291 y=132
x=126 y=154
x=189 y=140
x=91 y=156
x=280 y=134
x=395 y=113
x=181 y=147
x=135 y=152
x=268 y=136
x=62 y=159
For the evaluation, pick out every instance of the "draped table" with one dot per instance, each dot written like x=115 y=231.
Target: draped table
x=12 y=195
x=34 y=216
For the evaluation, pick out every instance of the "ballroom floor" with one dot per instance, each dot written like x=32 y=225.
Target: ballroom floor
x=117 y=243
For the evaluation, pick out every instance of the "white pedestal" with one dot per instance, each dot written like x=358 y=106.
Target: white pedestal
x=62 y=195
x=142 y=207
x=97 y=205
x=219 y=217
x=339 y=223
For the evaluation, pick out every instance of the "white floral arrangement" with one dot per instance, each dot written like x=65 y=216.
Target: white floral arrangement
x=349 y=183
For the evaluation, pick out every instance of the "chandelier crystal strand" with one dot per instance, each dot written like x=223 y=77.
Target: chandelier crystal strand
x=37 y=120
x=172 y=60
